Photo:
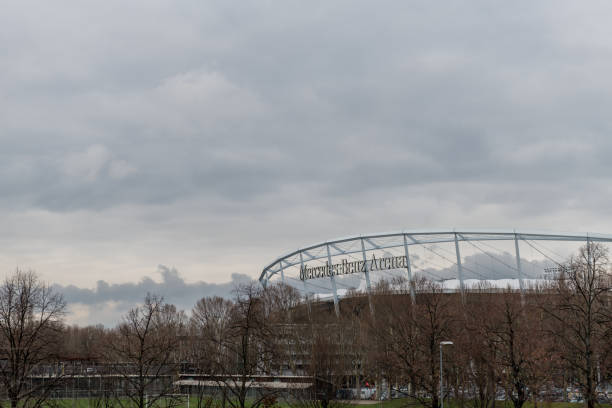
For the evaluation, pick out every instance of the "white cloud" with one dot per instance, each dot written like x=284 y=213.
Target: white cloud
x=86 y=165
x=94 y=163
x=107 y=313
x=120 y=169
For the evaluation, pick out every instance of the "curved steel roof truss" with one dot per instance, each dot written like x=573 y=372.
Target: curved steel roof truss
x=380 y=241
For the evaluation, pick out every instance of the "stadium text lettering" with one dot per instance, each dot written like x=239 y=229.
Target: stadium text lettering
x=346 y=267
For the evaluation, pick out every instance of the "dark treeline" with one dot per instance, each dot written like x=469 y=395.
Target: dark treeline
x=270 y=343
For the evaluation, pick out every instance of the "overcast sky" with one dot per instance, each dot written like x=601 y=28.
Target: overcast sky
x=213 y=136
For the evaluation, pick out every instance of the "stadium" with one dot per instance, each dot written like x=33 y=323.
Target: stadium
x=455 y=287
x=456 y=259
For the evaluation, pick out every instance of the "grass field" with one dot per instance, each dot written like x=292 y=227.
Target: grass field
x=402 y=403
x=395 y=403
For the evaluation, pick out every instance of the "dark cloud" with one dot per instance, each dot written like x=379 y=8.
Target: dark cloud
x=172 y=287
x=351 y=97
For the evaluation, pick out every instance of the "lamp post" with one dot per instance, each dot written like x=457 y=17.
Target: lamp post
x=442 y=343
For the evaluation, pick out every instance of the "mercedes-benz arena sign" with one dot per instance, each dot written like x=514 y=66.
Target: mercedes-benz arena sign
x=348 y=267
x=365 y=254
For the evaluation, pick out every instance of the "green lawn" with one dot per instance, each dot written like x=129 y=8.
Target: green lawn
x=404 y=402
x=395 y=403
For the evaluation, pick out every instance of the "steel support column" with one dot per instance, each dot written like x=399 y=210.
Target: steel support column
x=367 y=276
x=333 y=281
x=304 y=281
x=588 y=248
x=409 y=270
x=459 y=269
x=282 y=271
x=519 y=268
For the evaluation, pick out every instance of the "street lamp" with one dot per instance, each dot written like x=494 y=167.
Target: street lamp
x=442 y=343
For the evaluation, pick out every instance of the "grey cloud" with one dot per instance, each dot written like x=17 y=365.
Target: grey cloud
x=493 y=266
x=257 y=128
x=172 y=287
x=478 y=266
x=299 y=99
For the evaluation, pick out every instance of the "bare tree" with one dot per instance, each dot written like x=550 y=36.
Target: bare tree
x=31 y=316
x=513 y=341
x=142 y=350
x=281 y=313
x=279 y=301
x=83 y=343
x=210 y=330
x=327 y=343
x=581 y=317
x=409 y=334
x=476 y=361
x=522 y=346
x=241 y=341
x=434 y=318
x=394 y=334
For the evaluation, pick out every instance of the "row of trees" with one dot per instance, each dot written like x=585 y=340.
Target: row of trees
x=556 y=335
x=504 y=343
